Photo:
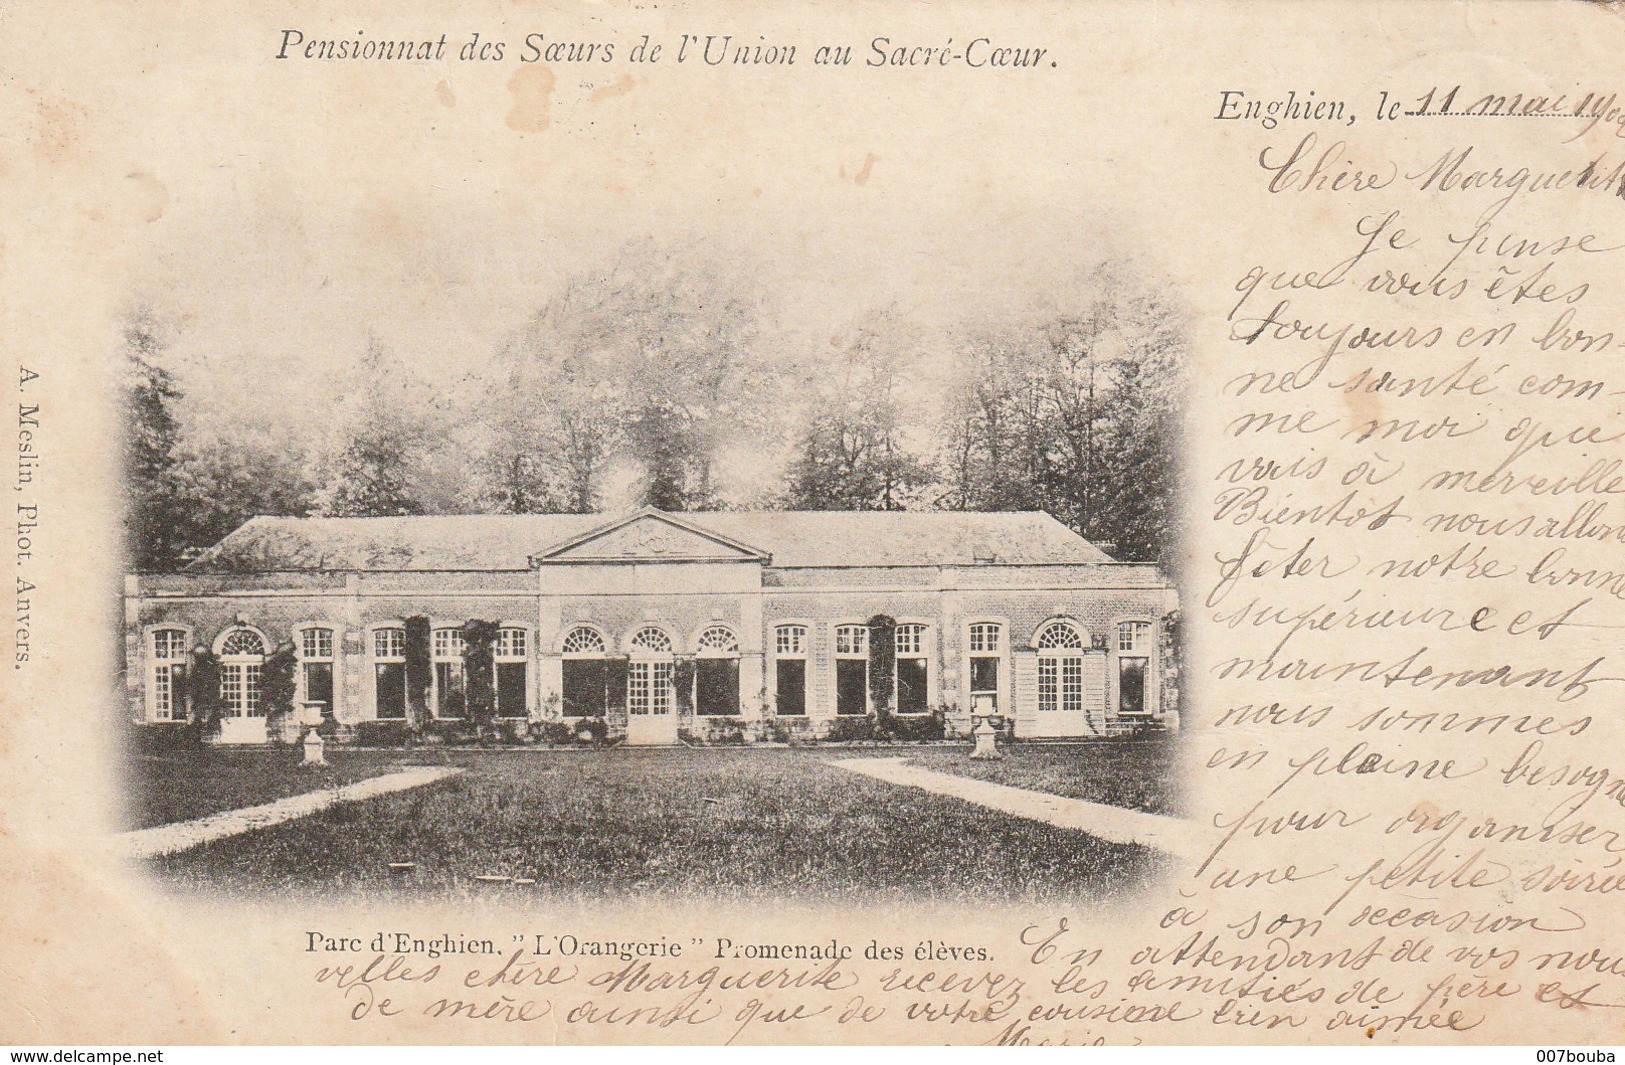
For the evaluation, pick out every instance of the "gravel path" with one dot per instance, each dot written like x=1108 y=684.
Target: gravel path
x=1111 y=823
x=171 y=839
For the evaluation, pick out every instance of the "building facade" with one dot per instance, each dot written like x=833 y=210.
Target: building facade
x=664 y=627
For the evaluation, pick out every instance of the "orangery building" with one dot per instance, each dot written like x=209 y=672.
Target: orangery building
x=653 y=628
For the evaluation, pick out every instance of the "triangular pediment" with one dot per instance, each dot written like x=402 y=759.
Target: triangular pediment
x=649 y=536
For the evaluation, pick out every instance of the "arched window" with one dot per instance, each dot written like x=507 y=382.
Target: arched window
x=242 y=657
x=913 y=669
x=168 y=664
x=511 y=651
x=586 y=673
x=389 y=673
x=315 y=646
x=716 y=673
x=852 y=669
x=649 y=688
x=583 y=641
x=1060 y=635
x=718 y=640
x=651 y=640
x=1135 y=647
x=450 y=683
x=790 y=670
x=1060 y=668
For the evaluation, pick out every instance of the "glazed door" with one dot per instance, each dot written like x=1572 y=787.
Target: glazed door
x=1071 y=695
x=651 y=716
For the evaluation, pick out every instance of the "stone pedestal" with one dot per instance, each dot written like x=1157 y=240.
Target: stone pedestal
x=313 y=749
x=987 y=746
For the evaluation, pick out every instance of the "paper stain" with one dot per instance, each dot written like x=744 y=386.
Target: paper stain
x=57 y=128
x=1365 y=408
x=443 y=93
x=619 y=87
x=861 y=178
x=149 y=195
x=532 y=91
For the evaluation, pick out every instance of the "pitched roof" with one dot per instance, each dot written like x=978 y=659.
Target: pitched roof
x=509 y=541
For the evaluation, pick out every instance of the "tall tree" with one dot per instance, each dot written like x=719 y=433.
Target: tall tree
x=684 y=331
x=553 y=418
x=651 y=361
x=851 y=452
x=155 y=540
x=1073 y=409
x=228 y=474
x=381 y=437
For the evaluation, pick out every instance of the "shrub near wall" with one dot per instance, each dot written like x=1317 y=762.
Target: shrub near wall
x=277 y=690
x=204 y=691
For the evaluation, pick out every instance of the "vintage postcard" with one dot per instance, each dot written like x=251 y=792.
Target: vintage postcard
x=696 y=523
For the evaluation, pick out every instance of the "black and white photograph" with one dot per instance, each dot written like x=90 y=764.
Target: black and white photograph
x=681 y=583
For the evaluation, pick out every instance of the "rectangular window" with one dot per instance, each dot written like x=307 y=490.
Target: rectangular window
x=511 y=682
x=510 y=643
x=316 y=643
x=584 y=686
x=852 y=686
x=984 y=675
x=852 y=640
x=912 y=692
x=231 y=691
x=1048 y=677
x=1131 y=685
x=1134 y=636
x=389 y=679
x=448 y=643
x=584 y=682
x=790 y=640
x=984 y=638
x=170 y=694
x=716 y=686
x=389 y=643
x=912 y=670
x=662 y=688
x=169 y=644
x=451 y=697
x=169 y=675
x=319 y=685
x=790 y=687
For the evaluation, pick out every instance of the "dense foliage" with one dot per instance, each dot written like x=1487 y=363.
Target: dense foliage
x=419 y=671
x=654 y=380
x=479 y=667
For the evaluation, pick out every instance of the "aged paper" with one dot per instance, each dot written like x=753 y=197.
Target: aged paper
x=1213 y=408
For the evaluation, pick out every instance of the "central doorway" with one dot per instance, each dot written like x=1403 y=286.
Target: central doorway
x=651 y=712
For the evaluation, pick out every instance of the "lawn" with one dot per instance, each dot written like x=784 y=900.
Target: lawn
x=760 y=824
x=1141 y=775
x=193 y=782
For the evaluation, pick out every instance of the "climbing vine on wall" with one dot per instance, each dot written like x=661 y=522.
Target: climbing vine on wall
x=205 y=693
x=882 y=665
x=419 y=672
x=277 y=685
x=479 y=667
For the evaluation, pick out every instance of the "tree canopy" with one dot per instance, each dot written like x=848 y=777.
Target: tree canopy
x=642 y=379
